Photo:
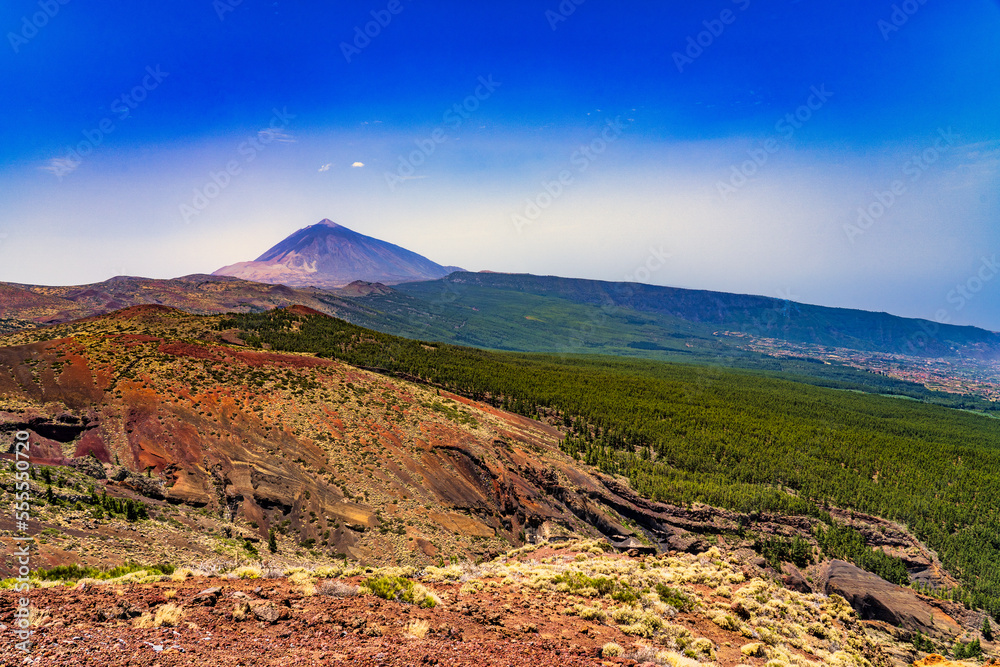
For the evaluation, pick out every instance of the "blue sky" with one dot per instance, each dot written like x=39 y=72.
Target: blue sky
x=845 y=154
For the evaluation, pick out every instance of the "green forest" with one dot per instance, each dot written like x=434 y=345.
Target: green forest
x=739 y=439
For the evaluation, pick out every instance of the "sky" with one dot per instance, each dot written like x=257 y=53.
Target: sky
x=843 y=154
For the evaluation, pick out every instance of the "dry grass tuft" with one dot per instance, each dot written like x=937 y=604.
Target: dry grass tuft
x=247 y=572
x=338 y=589
x=241 y=610
x=416 y=629
x=167 y=616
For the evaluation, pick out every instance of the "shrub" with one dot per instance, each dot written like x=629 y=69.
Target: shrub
x=327 y=572
x=726 y=622
x=674 y=597
x=299 y=577
x=817 y=630
x=704 y=647
x=591 y=613
x=577 y=581
x=626 y=615
x=247 y=572
x=400 y=589
x=611 y=650
x=76 y=572
x=637 y=630
x=338 y=589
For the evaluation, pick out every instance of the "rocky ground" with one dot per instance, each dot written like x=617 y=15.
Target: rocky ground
x=570 y=604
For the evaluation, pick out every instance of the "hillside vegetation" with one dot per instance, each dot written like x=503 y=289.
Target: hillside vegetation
x=735 y=439
x=695 y=311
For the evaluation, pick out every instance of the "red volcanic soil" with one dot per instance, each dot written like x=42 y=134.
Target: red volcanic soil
x=304 y=310
x=253 y=359
x=135 y=312
x=505 y=626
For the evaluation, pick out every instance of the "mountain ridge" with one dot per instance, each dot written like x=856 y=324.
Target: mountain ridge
x=756 y=315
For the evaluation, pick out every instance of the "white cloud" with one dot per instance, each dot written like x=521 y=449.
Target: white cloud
x=326 y=167
x=358 y=164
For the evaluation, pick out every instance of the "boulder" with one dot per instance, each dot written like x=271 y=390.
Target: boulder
x=89 y=466
x=267 y=611
x=208 y=597
x=793 y=580
x=146 y=486
x=875 y=598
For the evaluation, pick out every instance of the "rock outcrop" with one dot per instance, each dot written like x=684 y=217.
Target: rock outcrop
x=876 y=599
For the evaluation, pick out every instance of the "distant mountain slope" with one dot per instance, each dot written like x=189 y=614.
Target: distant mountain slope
x=701 y=311
x=37 y=304
x=328 y=255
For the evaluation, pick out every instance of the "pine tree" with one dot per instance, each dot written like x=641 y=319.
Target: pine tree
x=987 y=629
x=272 y=541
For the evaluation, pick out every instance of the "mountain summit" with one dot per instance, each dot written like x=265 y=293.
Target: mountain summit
x=329 y=255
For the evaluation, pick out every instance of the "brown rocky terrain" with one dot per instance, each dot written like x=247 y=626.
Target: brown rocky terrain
x=27 y=306
x=224 y=445
x=531 y=607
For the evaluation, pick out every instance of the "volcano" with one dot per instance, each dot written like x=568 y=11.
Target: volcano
x=328 y=255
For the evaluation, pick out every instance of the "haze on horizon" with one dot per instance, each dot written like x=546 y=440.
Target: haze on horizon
x=839 y=154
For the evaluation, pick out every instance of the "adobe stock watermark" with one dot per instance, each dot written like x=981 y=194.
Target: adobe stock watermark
x=959 y=297
x=698 y=43
x=967 y=291
x=452 y=118
x=786 y=127
x=122 y=108
x=562 y=13
x=913 y=170
x=656 y=260
x=900 y=16
x=30 y=25
x=585 y=333
x=23 y=541
x=247 y=151
x=223 y=7
x=363 y=35
x=422 y=318
x=580 y=162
